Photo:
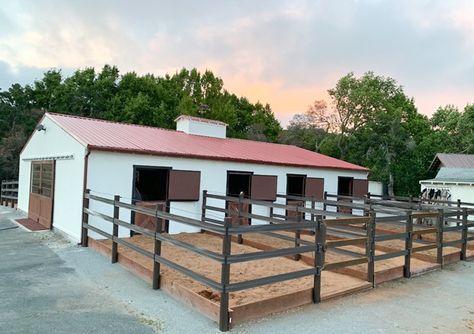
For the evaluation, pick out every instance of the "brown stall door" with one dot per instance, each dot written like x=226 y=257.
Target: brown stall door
x=40 y=208
x=314 y=187
x=360 y=187
x=264 y=187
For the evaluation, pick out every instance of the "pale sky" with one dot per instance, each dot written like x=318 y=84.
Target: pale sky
x=286 y=53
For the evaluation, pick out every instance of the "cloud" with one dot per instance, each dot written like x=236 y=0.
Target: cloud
x=60 y=37
x=23 y=75
x=286 y=53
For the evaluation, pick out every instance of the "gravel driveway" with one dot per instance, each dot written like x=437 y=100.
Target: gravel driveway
x=49 y=285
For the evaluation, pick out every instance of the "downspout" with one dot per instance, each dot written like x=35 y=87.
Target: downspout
x=84 y=187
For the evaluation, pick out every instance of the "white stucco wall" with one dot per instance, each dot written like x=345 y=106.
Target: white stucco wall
x=195 y=127
x=112 y=174
x=69 y=173
x=464 y=192
x=375 y=187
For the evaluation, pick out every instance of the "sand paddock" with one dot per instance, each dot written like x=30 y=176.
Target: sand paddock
x=332 y=283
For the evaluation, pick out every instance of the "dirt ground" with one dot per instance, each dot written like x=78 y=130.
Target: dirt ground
x=447 y=236
x=332 y=283
x=332 y=256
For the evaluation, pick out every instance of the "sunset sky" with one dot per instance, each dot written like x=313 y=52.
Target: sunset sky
x=286 y=53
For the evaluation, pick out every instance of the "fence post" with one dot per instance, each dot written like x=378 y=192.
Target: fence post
x=224 y=320
x=408 y=245
x=12 y=201
x=156 y=280
x=320 y=240
x=313 y=207
x=1 y=194
x=297 y=257
x=85 y=219
x=240 y=239
x=439 y=255
x=325 y=197
x=115 y=230
x=464 y=234
x=459 y=212
x=370 y=250
x=367 y=202
x=203 y=208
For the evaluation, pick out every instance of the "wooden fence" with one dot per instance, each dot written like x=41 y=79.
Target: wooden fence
x=296 y=221
x=223 y=228
x=9 y=193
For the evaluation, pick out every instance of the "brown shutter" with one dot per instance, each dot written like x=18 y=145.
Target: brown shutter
x=360 y=187
x=264 y=187
x=184 y=185
x=314 y=187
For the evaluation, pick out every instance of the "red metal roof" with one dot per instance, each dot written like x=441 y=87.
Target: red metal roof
x=119 y=137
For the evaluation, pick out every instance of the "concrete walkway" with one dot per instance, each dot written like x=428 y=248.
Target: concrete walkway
x=48 y=285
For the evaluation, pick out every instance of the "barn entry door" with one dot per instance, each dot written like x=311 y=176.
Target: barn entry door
x=40 y=208
x=238 y=182
x=155 y=187
x=150 y=189
x=345 y=187
x=295 y=186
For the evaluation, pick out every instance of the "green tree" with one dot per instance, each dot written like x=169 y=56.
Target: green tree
x=130 y=98
x=372 y=123
x=308 y=130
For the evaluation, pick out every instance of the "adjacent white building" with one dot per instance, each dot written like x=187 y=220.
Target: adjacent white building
x=454 y=179
x=163 y=169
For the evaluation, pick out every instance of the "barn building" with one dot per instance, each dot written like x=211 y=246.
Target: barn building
x=454 y=178
x=163 y=169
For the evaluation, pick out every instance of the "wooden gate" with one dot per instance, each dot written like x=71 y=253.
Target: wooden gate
x=293 y=215
x=40 y=208
x=233 y=213
x=148 y=221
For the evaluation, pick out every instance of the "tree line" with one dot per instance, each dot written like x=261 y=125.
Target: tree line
x=129 y=98
x=369 y=120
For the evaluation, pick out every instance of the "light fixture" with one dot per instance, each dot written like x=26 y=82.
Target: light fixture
x=40 y=127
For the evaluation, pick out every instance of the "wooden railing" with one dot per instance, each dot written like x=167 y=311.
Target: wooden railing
x=222 y=228
x=9 y=193
x=295 y=225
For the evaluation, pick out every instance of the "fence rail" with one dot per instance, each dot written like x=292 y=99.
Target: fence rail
x=9 y=193
x=420 y=200
x=225 y=230
x=296 y=225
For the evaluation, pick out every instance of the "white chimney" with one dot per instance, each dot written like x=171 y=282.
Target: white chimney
x=201 y=126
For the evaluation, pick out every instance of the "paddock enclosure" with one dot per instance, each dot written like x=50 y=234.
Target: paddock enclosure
x=305 y=250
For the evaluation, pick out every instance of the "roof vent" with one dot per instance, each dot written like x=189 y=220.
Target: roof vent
x=201 y=126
